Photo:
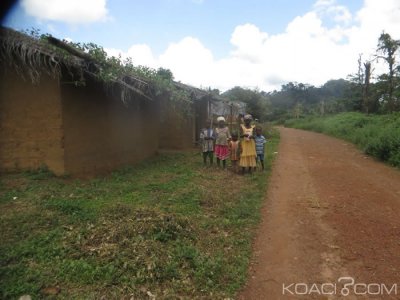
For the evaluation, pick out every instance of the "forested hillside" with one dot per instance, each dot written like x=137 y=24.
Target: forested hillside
x=365 y=90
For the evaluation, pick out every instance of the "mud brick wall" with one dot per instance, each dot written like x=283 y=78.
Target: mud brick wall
x=30 y=123
x=101 y=134
x=201 y=116
x=177 y=128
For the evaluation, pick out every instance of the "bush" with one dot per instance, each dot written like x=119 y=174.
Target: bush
x=377 y=135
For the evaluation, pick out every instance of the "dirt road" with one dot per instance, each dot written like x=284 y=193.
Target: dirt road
x=331 y=212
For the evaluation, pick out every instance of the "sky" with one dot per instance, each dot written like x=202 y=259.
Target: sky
x=257 y=44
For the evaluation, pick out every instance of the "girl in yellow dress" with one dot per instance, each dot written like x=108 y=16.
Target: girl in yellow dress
x=248 y=155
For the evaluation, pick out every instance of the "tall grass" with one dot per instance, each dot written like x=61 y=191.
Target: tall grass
x=376 y=135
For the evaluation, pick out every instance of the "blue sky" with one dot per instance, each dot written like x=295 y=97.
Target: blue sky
x=234 y=40
x=158 y=22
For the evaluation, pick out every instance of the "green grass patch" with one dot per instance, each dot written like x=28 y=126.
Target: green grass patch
x=167 y=227
x=376 y=135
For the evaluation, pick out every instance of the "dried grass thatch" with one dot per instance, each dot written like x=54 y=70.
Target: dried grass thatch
x=195 y=93
x=26 y=56
x=32 y=57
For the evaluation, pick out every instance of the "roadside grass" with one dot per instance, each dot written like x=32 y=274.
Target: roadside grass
x=167 y=227
x=376 y=135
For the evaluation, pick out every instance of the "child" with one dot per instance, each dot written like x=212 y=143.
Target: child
x=248 y=155
x=234 y=150
x=260 y=143
x=207 y=138
x=222 y=136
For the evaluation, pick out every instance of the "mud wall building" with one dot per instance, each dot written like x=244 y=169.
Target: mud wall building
x=71 y=129
x=55 y=112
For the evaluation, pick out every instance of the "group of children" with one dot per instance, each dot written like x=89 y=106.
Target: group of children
x=243 y=149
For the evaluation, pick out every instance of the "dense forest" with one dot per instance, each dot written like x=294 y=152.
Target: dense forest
x=362 y=91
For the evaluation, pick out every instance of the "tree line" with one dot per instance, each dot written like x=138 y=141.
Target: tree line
x=361 y=91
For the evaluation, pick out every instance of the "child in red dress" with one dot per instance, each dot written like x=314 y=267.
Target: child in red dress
x=222 y=137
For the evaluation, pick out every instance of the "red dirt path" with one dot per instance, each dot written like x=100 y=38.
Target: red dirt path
x=330 y=212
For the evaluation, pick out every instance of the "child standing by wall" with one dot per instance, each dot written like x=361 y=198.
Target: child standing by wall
x=248 y=155
x=207 y=137
x=260 y=141
x=222 y=137
x=234 y=150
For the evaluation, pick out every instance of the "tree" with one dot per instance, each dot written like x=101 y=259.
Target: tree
x=366 y=86
x=388 y=47
x=357 y=81
x=165 y=74
x=256 y=102
x=297 y=99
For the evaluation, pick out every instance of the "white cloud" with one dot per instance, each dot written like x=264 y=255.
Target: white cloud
x=329 y=8
x=308 y=25
x=116 y=52
x=248 y=40
x=142 y=54
x=307 y=51
x=187 y=59
x=71 y=11
x=378 y=16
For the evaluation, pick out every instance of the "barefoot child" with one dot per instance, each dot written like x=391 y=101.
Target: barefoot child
x=248 y=155
x=207 y=138
x=260 y=144
x=222 y=137
x=234 y=150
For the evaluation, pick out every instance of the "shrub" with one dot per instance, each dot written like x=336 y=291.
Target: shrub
x=377 y=135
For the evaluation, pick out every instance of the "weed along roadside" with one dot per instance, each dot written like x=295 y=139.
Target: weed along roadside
x=375 y=135
x=167 y=227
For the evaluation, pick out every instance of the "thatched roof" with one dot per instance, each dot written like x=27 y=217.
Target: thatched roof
x=31 y=57
x=226 y=107
x=198 y=94
x=219 y=105
x=195 y=93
